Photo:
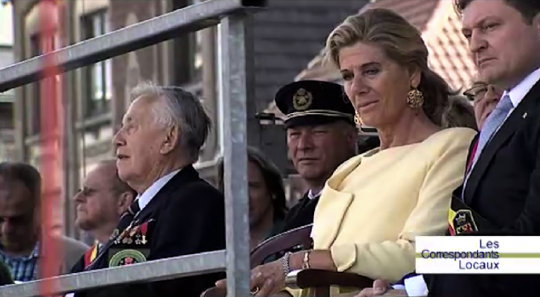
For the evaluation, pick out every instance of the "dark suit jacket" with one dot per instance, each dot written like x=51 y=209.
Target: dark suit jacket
x=189 y=218
x=300 y=215
x=504 y=189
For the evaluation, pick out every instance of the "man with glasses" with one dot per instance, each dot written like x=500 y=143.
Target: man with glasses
x=484 y=97
x=501 y=191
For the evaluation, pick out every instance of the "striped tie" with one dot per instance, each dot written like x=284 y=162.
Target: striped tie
x=491 y=125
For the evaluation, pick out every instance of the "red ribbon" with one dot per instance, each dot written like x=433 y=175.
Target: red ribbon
x=471 y=159
x=144 y=228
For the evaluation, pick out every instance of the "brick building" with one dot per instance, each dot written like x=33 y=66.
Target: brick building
x=286 y=37
x=7 y=137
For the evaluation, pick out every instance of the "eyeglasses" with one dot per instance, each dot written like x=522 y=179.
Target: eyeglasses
x=477 y=91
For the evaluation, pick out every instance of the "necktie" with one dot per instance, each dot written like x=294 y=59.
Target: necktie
x=134 y=208
x=491 y=125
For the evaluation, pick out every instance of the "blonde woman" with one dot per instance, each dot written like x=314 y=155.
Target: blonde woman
x=375 y=204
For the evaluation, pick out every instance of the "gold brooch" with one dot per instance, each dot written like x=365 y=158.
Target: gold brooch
x=302 y=99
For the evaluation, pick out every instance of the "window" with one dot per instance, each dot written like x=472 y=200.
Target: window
x=187 y=53
x=39 y=43
x=98 y=77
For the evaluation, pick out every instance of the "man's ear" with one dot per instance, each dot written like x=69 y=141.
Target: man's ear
x=124 y=201
x=171 y=140
x=536 y=24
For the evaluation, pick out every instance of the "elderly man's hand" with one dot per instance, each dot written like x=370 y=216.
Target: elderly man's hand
x=266 y=280
x=381 y=288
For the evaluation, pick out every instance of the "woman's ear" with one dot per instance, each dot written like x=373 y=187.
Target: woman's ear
x=415 y=78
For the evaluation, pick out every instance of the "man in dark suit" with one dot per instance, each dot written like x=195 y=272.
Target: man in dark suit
x=321 y=134
x=501 y=191
x=176 y=212
x=502 y=184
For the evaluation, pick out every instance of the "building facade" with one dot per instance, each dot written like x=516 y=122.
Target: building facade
x=7 y=136
x=285 y=38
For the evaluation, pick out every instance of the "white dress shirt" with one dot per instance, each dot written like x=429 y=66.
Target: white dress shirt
x=152 y=191
x=312 y=196
x=416 y=286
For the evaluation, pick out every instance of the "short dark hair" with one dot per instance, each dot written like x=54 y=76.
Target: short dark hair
x=528 y=8
x=271 y=175
x=27 y=174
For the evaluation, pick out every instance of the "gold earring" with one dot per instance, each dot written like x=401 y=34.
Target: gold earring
x=415 y=98
x=357 y=120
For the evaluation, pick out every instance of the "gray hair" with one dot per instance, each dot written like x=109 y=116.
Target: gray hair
x=179 y=108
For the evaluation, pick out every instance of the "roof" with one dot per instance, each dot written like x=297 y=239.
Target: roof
x=417 y=12
x=439 y=25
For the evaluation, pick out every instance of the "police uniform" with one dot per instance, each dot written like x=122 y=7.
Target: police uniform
x=310 y=103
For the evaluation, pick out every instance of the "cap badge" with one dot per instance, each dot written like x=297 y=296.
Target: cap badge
x=302 y=99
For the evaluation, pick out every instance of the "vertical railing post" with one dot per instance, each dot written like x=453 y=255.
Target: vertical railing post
x=234 y=91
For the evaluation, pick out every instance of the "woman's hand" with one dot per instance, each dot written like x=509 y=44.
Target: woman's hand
x=266 y=280
x=379 y=287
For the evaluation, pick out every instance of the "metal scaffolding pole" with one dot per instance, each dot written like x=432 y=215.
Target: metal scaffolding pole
x=234 y=89
x=131 y=38
x=157 y=270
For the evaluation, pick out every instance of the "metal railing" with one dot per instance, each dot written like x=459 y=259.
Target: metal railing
x=235 y=61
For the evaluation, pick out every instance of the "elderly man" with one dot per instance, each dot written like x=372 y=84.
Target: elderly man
x=103 y=198
x=321 y=134
x=176 y=212
x=485 y=98
x=100 y=203
x=20 y=232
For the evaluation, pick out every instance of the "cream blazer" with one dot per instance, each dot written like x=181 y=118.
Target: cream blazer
x=374 y=204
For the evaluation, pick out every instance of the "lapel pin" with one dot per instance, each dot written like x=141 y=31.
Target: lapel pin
x=524 y=115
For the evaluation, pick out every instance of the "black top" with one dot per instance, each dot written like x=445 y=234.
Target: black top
x=301 y=214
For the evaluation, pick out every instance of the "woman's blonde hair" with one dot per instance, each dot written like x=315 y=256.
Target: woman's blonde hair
x=402 y=43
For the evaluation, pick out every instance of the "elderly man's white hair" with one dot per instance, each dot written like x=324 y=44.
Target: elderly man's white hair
x=180 y=108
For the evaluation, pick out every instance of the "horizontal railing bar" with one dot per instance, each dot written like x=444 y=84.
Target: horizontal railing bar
x=157 y=270
x=134 y=37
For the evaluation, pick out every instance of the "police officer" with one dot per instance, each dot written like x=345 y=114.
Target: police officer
x=321 y=134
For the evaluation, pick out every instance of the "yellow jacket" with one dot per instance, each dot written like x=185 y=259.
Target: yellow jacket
x=374 y=204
